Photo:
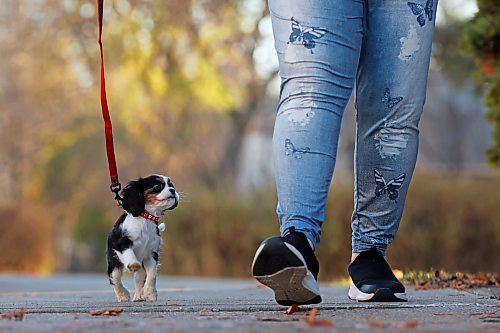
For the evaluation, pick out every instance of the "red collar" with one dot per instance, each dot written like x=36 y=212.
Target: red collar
x=149 y=216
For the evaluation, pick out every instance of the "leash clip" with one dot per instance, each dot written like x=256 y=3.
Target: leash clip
x=116 y=188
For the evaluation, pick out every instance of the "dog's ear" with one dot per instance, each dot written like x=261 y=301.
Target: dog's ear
x=133 y=198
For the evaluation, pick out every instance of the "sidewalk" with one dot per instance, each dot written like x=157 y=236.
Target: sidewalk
x=62 y=303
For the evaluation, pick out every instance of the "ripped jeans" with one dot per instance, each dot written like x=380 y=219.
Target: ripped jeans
x=325 y=47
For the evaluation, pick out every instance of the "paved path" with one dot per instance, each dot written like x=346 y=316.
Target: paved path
x=62 y=303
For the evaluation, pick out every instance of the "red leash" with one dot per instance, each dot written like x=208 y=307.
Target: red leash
x=108 y=129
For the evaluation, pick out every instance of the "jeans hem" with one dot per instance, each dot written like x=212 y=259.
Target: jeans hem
x=358 y=247
x=312 y=236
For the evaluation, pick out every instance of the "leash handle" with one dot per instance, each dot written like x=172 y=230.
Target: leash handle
x=115 y=186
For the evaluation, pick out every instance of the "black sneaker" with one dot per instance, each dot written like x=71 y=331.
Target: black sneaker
x=373 y=280
x=289 y=267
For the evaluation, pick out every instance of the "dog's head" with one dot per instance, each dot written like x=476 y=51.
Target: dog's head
x=155 y=192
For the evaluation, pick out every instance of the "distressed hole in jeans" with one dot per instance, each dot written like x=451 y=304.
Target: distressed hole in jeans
x=391 y=139
x=297 y=152
x=303 y=115
x=409 y=44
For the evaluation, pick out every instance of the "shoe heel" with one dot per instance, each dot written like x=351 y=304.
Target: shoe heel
x=288 y=286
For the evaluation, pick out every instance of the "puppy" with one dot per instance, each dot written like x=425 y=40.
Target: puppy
x=134 y=242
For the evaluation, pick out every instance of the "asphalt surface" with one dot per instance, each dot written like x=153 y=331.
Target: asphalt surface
x=62 y=303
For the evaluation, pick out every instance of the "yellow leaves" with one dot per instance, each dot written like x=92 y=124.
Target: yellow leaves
x=211 y=34
x=211 y=90
x=157 y=81
x=185 y=66
x=58 y=143
x=67 y=139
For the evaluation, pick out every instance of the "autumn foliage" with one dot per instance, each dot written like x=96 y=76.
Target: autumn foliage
x=185 y=81
x=481 y=41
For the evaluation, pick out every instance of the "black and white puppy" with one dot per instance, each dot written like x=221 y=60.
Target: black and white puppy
x=134 y=242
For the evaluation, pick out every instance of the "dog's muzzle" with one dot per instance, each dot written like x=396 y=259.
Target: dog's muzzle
x=174 y=205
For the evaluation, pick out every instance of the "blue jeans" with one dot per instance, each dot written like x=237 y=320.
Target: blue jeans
x=325 y=48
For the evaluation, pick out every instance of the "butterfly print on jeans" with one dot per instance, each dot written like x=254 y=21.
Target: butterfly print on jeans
x=391 y=102
x=304 y=35
x=291 y=150
x=422 y=11
x=388 y=187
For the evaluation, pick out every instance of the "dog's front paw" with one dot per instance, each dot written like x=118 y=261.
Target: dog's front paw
x=134 y=266
x=150 y=295
x=138 y=297
x=123 y=296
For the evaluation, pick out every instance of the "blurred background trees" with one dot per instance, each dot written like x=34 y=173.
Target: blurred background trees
x=481 y=41
x=192 y=90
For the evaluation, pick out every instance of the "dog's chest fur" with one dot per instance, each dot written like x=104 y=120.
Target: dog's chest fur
x=144 y=234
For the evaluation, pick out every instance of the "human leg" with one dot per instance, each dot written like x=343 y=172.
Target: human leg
x=317 y=79
x=318 y=46
x=390 y=94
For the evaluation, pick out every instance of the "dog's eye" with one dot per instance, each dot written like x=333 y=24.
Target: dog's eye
x=157 y=188
x=170 y=184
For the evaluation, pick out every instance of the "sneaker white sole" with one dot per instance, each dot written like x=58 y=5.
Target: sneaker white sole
x=292 y=285
x=381 y=295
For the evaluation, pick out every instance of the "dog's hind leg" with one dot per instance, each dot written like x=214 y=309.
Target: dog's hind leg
x=150 y=293
x=140 y=279
x=115 y=278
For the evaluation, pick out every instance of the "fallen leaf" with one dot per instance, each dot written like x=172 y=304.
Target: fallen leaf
x=405 y=324
x=204 y=310
x=16 y=315
x=489 y=315
x=373 y=323
x=106 y=312
x=262 y=286
x=444 y=314
x=312 y=320
x=379 y=324
x=294 y=308
x=458 y=281
x=481 y=277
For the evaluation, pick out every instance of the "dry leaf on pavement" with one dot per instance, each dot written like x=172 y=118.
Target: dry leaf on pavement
x=278 y=319
x=405 y=324
x=16 y=315
x=106 y=312
x=294 y=308
x=373 y=323
x=312 y=320
x=378 y=324
x=460 y=281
